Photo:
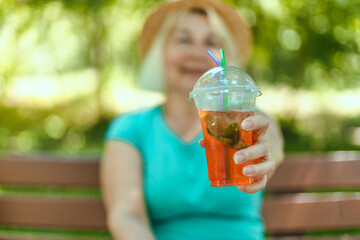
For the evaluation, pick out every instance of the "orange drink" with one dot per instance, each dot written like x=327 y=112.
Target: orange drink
x=223 y=136
x=225 y=96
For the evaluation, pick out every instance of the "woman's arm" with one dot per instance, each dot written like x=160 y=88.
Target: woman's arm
x=122 y=188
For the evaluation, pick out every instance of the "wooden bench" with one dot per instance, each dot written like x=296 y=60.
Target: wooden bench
x=308 y=194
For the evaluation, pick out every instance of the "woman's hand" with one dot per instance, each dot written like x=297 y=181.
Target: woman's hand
x=269 y=141
x=259 y=123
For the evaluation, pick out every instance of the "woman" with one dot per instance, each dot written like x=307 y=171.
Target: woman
x=153 y=174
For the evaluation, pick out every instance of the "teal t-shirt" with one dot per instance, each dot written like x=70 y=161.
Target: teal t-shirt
x=181 y=203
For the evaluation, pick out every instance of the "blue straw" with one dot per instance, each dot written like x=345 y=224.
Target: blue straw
x=218 y=63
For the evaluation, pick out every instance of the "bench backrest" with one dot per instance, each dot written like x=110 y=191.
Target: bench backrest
x=311 y=193
x=307 y=193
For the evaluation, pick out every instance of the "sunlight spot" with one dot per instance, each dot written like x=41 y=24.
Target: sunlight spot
x=305 y=103
x=297 y=4
x=75 y=140
x=54 y=126
x=289 y=39
x=49 y=90
x=355 y=136
x=52 y=11
x=24 y=141
x=341 y=35
x=79 y=83
x=249 y=16
x=272 y=8
x=349 y=102
x=30 y=87
x=27 y=41
x=341 y=3
x=355 y=62
x=320 y=24
x=120 y=97
x=2 y=85
x=7 y=37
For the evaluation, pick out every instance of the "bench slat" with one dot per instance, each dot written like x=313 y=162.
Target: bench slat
x=42 y=170
x=72 y=213
x=305 y=172
x=296 y=174
x=299 y=213
x=293 y=213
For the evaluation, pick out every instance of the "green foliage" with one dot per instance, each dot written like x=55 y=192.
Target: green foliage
x=325 y=132
x=309 y=44
x=313 y=43
x=48 y=130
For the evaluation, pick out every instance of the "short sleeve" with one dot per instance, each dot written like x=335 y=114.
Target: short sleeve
x=124 y=128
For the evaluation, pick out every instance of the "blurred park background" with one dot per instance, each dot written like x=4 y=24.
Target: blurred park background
x=68 y=67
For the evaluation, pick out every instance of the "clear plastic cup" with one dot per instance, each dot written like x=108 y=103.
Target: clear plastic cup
x=225 y=96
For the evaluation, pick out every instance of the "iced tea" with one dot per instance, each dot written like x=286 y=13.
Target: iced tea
x=223 y=136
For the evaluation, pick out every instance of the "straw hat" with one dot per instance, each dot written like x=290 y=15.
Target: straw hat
x=238 y=28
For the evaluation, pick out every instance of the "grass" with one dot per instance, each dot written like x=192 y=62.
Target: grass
x=334 y=233
x=51 y=191
x=53 y=233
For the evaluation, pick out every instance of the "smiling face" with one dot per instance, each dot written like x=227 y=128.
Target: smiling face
x=185 y=54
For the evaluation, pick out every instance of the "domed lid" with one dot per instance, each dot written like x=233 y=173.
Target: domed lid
x=225 y=80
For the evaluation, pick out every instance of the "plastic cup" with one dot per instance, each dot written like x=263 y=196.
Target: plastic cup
x=225 y=96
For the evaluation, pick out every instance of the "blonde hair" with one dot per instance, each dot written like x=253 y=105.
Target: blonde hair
x=152 y=72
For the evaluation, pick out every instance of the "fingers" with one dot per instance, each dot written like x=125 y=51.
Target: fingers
x=201 y=143
x=257 y=185
x=264 y=168
x=258 y=150
x=256 y=122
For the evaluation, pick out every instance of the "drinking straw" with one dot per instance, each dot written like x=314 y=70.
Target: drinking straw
x=218 y=63
x=223 y=64
x=214 y=58
x=227 y=169
x=225 y=165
